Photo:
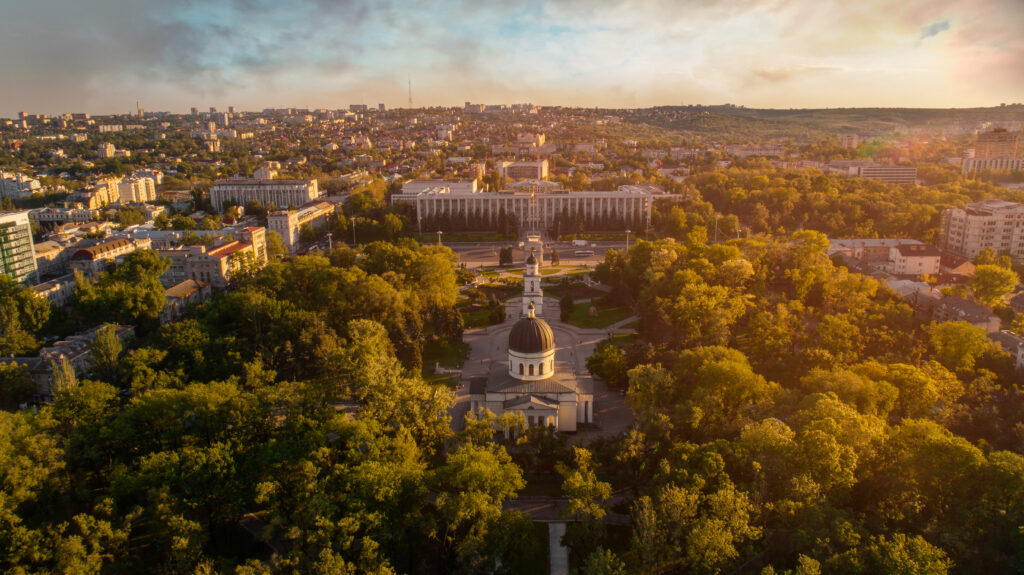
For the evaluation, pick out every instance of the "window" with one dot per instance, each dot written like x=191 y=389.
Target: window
x=540 y=368
x=520 y=369
x=531 y=369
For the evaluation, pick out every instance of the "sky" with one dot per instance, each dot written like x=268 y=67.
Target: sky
x=101 y=56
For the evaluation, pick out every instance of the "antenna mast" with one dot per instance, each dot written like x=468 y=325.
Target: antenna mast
x=410 y=92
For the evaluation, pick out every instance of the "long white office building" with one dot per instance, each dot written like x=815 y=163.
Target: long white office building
x=535 y=206
x=280 y=193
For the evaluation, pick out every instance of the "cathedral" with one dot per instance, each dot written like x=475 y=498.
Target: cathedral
x=531 y=381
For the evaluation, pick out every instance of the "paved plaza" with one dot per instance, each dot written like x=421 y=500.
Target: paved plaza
x=574 y=345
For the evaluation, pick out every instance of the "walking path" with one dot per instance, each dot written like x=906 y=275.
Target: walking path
x=573 y=345
x=558 y=554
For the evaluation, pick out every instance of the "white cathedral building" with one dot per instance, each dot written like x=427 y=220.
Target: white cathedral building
x=531 y=382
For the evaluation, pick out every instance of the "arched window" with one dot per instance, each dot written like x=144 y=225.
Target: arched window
x=520 y=369
x=540 y=367
x=531 y=369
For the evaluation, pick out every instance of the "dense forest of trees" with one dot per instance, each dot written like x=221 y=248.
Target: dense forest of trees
x=792 y=415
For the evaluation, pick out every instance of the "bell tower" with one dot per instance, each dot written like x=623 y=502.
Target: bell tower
x=533 y=296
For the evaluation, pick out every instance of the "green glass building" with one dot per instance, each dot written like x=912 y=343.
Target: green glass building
x=17 y=255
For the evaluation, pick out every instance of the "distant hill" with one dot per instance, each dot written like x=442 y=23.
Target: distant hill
x=732 y=123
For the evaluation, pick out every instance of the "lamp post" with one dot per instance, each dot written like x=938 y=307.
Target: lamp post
x=353 y=218
x=439 y=232
x=330 y=242
x=627 y=242
x=419 y=221
x=716 y=228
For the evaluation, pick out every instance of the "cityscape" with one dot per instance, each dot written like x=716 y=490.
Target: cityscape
x=763 y=319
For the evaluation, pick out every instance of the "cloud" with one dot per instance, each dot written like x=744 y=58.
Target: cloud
x=102 y=55
x=934 y=29
x=773 y=74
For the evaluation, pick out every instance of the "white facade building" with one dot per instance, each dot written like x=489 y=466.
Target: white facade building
x=18 y=186
x=280 y=193
x=288 y=223
x=996 y=224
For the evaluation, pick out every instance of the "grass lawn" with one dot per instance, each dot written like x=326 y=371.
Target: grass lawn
x=451 y=355
x=474 y=317
x=578 y=292
x=580 y=316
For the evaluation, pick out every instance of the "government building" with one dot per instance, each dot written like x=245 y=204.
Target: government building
x=530 y=381
x=534 y=204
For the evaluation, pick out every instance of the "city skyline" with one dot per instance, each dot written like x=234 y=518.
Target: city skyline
x=103 y=57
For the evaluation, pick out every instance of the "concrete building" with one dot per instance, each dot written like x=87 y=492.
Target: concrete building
x=51 y=258
x=181 y=296
x=58 y=290
x=289 y=223
x=849 y=140
x=523 y=170
x=992 y=223
x=135 y=190
x=18 y=186
x=915 y=260
x=535 y=208
x=953 y=308
x=413 y=187
x=62 y=215
x=999 y=143
x=280 y=193
x=95 y=259
x=106 y=150
x=889 y=174
x=1012 y=344
x=17 y=254
x=768 y=150
x=975 y=165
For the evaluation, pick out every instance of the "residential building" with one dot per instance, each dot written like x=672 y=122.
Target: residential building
x=915 y=260
x=106 y=150
x=289 y=223
x=51 y=258
x=17 y=255
x=999 y=143
x=869 y=250
x=1012 y=344
x=952 y=308
x=523 y=170
x=849 y=140
x=992 y=223
x=58 y=290
x=61 y=215
x=181 y=296
x=136 y=190
x=280 y=193
x=751 y=151
x=95 y=259
x=215 y=265
x=18 y=186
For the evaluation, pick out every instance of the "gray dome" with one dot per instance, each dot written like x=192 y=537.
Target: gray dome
x=531 y=335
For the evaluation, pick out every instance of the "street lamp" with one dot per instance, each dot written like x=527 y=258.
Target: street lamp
x=439 y=232
x=627 y=242
x=330 y=243
x=716 y=228
x=353 y=218
x=419 y=221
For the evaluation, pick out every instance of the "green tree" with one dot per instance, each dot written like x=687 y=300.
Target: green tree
x=105 y=353
x=565 y=306
x=15 y=386
x=586 y=495
x=275 y=245
x=991 y=283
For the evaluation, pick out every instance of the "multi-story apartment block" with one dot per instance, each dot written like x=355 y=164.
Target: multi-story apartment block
x=999 y=143
x=523 y=170
x=288 y=223
x=995 y=224
x=58 y=290
x=17 y=186
x=751 y=151
x=136 y=190
x=280 y=193
x=975 y=165
x=17 y=255
x=106 y=150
